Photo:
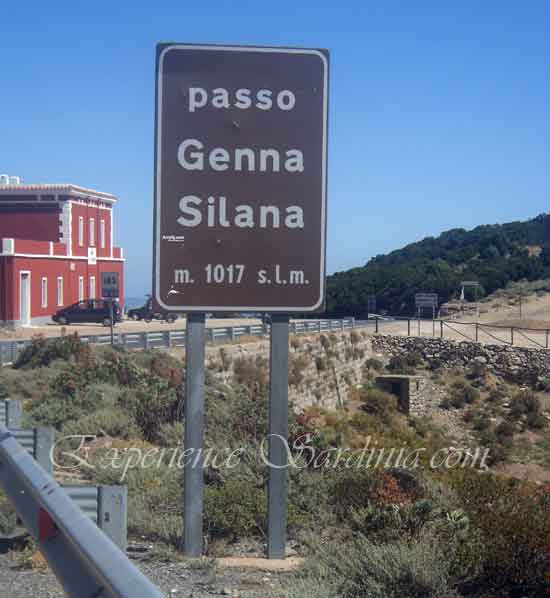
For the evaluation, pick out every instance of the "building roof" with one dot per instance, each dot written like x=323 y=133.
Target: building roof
x=57 y=189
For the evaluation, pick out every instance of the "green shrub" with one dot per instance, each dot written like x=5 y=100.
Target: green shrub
x=374 y=364
x=171 y=434
x=364 y=569
x=404 y=364
x=238 y=508
x=297 y=367
x=498 y=449
x=513 y=520
x=481 y=422
x=252 y=373
x=321 y=364
x=497 y=394
x=524 y=403
x=445 y=404
x=109 y=421
x=504 y=430
x=379 y=403
x=150 y=406
x=544 y=384
x=462 y=393
x=41 y=351
x=536 y=421
x=457 y=401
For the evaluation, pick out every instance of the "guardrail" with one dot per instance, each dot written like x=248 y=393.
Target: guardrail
x=86 y=562
x=10 y=413
x=107 y=506
x=38 y=442
x=9 y=350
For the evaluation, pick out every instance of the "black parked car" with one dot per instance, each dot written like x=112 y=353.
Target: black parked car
x=95 y=311
x=147 y=313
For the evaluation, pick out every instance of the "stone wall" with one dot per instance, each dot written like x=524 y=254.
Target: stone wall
x=325 y=369
x=517 y=364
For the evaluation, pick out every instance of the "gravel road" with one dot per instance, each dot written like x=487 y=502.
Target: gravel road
x=177 y=579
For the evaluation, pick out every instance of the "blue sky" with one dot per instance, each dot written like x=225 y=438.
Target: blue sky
x=440 y=111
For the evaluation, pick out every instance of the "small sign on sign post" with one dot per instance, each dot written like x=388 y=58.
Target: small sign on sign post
x=240 y=218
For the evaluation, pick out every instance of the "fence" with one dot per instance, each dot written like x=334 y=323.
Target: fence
x=9 y=350
x=86 y=561
x=477 y=332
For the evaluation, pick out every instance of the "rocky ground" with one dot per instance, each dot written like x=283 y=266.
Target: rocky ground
x=185 y=579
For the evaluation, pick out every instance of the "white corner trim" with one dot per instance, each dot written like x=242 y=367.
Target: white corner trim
x=8 y=247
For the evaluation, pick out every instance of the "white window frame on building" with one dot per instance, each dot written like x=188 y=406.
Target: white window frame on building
x=44 y=291
x=81 y=288
x=81 y=231
x=59 y=291
x=92 y=287
x=102 y=233
x=91 y=231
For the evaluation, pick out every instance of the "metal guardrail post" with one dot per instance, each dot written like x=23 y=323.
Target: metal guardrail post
x=512 y=336
x=477 y=332
x=44 y=439
x=547 y=337
x=145 y=341
x=441 y=328
x=112 y=513
x=14 y=413
x=86 y=562
x=408 y=327
x=376 y=324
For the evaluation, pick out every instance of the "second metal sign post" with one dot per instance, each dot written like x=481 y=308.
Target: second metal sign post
x=240 y=217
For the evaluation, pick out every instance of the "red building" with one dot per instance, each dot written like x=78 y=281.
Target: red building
x=56 y=248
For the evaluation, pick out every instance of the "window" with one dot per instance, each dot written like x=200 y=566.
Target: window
x=81 y=231
x=59 y=291
x=92 y=287
x=92 y=232
x=44 y=292
x=81 y=288
x=102 y=233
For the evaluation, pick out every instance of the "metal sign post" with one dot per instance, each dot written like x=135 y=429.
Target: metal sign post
x=278 y=434
x=194 y=424
x=112 y=321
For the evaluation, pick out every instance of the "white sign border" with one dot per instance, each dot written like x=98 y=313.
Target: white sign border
x=158 y=132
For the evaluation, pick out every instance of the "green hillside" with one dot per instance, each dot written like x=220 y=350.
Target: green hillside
x=494 y=255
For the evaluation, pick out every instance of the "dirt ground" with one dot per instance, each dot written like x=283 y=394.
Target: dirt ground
x=496 y=320
x=175 y=578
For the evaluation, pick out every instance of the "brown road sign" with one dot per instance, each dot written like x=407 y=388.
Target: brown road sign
x=240 y=178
